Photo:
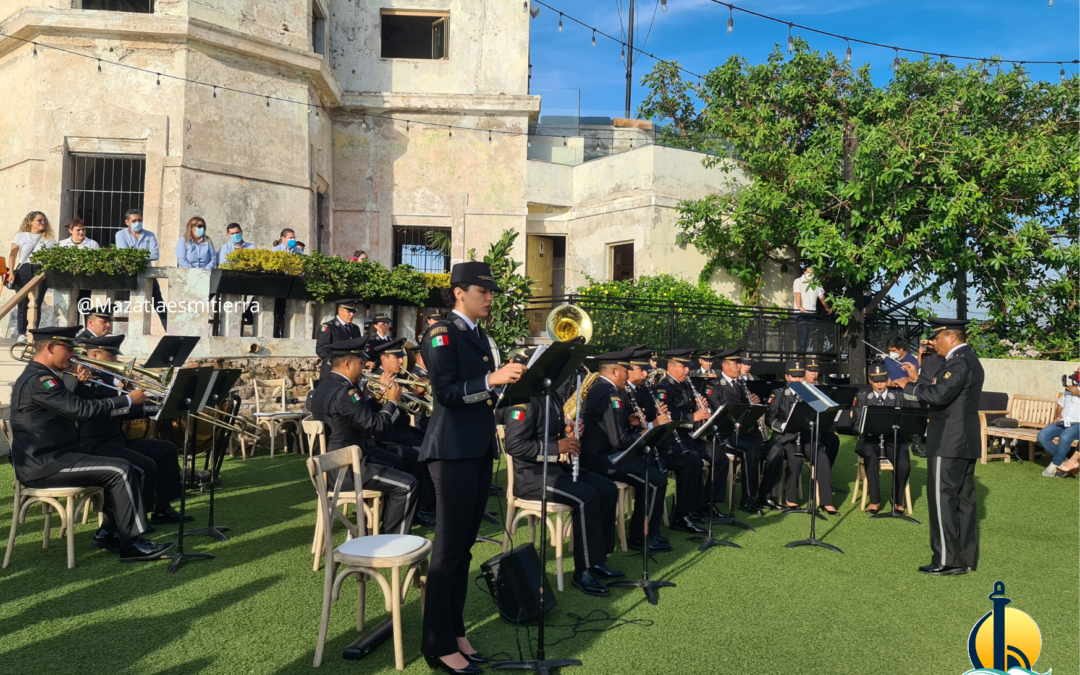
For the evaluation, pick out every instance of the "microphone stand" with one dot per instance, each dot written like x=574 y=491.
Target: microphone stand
x=812 y=502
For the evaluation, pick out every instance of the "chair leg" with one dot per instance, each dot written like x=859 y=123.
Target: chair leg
x=273 y=437
x=47 y=510
x=509 y=525
x=865 y=492
x=620 y=518
x=324 y=621
x=421 y=579
x=376 y=514
x=69 y=520
x=361 y=601
x=558 y=541
x=907 y=495
x=14 y=527
x=395 y=600
x=318 y=543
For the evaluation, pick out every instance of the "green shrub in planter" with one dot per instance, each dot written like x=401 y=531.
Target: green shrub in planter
x=113 y=262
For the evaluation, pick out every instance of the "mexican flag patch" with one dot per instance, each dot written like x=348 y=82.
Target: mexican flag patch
x=49 y=384
x=661 y=394
x=517 y=415
x=708 y=392
x=325 y=328
x=355 y=398
x=616 y=404
x=440 y=341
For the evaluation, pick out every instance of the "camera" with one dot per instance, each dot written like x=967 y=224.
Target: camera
x=1070 y=380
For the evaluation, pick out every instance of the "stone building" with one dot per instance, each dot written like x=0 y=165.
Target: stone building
x=342 y=136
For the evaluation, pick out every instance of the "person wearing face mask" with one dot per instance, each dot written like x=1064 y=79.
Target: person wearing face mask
x=288 y=242
x=196 y=250
x=34 y=235
x=898 y=354
x=134 y=235
x=236 y=242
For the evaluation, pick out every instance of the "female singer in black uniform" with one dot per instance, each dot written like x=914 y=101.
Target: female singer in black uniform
x=459 y=448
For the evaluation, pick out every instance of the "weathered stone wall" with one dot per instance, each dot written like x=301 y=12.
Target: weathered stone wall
x=299 y=373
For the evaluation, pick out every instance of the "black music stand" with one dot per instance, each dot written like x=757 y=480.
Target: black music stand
x=802 y=420
x=172 y=351
x=902 y=422
x=643 y=447
x=845 y=396
x=186 y=395
x=727 y=420
x=558 y=362
x=818 y=404
x=221 y=384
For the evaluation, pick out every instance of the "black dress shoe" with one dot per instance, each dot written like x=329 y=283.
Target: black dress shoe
x=496 y=491
x=686 y=524
x=660 y=538
x=941 y=570
x=605 y=572
x=770 y=505
x=654 y=545
x=169 y=516
x=828 y=512
x=751 y=508
x=973 y=569
x=424 y=519
x=588 y=584
x=872 y=511
x=143 y=549
x=476 y=657
x=435 y=663
x=110 y=541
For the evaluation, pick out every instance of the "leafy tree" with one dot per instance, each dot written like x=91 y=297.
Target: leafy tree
x=507 y=322
x=945 y=173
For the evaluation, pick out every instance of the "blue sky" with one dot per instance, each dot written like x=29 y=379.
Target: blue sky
x=694 y=32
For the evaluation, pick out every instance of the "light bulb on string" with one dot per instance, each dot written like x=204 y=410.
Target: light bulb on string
x=560 y=22
x=984 y=73
x=215 y=92
x=941 y=66
x=267 y=101
x=1062 y=73
x=1049 y=3
x=847 y=54
x=525 y=6
x=99 y=65
x=896 y=61
x=790 y=40
x=663 y=5
x=406 y=127
x=622 y=52
x=449 y=133
x=35 y=50
x=159 y=79
x=564 y=141
x=730 y=20
x=594 y=37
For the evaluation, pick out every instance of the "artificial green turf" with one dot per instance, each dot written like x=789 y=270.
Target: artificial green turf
x=761 y=609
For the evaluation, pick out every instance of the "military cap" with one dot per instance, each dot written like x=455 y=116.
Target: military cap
x=108 y=343
x=473 y=273
x=381 y=317
x=640 y=359
x=58 y=333
x=707 y=355
x=101 y=311
x=351 y=346
x=394 y=348
x=348 y=303
x=621 y=358
x=794 y=368
x=678 y=355
x=938 y=324
x=747 y=358
x=733 y=354
x=878 y=373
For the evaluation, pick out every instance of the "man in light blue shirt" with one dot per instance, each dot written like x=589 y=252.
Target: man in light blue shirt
x=288 y=242
x=235 y=242
x=135 y=236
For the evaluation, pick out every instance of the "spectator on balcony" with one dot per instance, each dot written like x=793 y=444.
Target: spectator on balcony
x=1066 y=429
x=236 y=242
x=134 y=236
x=301 y=247
x=287 y=242
x=77 y=236
x=357 y=256
x=807 y=295
x=898 y=354
x=195 y=249
x=34 y=235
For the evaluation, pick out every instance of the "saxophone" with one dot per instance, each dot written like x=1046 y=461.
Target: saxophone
x=572 y=408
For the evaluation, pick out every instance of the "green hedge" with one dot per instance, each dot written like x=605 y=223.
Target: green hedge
x=113 y=262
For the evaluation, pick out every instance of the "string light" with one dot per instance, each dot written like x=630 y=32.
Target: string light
x=790 y=41
x=564 y=141
x=847 y=55
x=406 y=127
x=215 y=92
x=489 y=136
x=730 y=20
x=267 y=101
x=99 y=65
x=594 y=37
x=663 y=5
x=560 y=22
x=450 y=133
x=1049 y=3
x=1062 y=73
x=984 y=73
x=525 y=6
x=896 y=61
x=622 y=52
x=35 y=51
x=159 y=79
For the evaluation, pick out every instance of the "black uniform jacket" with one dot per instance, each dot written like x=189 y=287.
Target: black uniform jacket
x=780 y=404
x=953 y=398
x=606 y=427
x=866 y=398
x=525 y=443
x=332 y=331
x=644 y=400
x=400 y=432
x=340 y=406
x=928 y=369
x=681 y=406
x=44 y=435
x=375 y=340
x=721 y=392
x=94 y=433
x=462 y=424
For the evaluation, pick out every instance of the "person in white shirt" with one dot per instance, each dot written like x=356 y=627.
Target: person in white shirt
x=34 y=234
x=807 y=293
x=77 y=236
x=1066 y=429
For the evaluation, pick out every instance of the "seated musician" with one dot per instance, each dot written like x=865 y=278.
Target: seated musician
x=642 y=410
x=401 y=437
x=872 y=447
x=794 y=447
x=591 y=496
x=830 y=442
x=705 y=366
x=727 y=390
x=339 y=404
x=606 y=431
x=682 y=455
x=45 y=441
x=156 y=461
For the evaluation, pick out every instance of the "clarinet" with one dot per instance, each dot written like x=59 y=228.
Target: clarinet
x=697 y=397
x=760 y=421
x=656 y=451
x=575 y=461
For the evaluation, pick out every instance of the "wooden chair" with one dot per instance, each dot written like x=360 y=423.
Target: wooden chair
x=860 y=484
x=516 y=509
x=314 y=430
x=1032 y=413
x=622 y=509
x=77 y=498
x=276 y=415
x=364 y=556
x=371 y=499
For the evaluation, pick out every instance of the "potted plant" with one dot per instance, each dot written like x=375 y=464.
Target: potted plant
x=103 y=269
x=255 y=271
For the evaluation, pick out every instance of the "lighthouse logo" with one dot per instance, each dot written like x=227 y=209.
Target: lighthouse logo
x=1004 y=642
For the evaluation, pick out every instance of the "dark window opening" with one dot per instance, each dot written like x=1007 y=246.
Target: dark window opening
x=318 y=31
x=622 y=262
x=414 y=36
x=138 y=6
x=103 y=188
x=427 y=249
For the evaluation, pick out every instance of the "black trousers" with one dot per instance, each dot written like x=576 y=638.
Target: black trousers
x=773 y=467
x=796 y=456
x=594 y=499
x=870 y=451
x=830 y=443
x=650 y=490
x=158 y=463
x=750 y=449
x=23 y=274
x=690 y=495
x=122 y=482
x=411 y=464
x=954 y=525
x=399 y=493
x=461 y=493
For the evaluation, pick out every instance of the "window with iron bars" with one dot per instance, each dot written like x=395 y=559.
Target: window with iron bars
x=140 y=6
x=427 y=249
x=103 y=188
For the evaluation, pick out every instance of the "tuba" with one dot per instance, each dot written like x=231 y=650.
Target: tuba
x=567 y=322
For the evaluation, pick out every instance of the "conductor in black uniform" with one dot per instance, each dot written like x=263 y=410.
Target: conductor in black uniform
x=872 y=447
x=459 y=448
x=338 y=403
x=953 y=444
x=338 y=329
x=45 y=441
x=592 y=497
x=99 y=321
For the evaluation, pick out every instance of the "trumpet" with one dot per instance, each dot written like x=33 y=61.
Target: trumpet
x=410 y=402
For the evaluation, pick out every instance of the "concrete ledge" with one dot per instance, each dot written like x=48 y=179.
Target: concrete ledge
x=1024 y=376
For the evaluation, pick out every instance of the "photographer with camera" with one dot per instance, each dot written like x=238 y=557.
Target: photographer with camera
x=1066 y=429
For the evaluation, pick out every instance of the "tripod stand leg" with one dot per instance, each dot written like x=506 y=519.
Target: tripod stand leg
x=211 y=529
x=708 y=541
x=812 y=501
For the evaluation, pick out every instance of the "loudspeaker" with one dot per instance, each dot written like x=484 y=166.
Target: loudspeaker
x=511 y=579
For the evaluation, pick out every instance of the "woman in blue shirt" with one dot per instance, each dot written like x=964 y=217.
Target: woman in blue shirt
x=196 y=249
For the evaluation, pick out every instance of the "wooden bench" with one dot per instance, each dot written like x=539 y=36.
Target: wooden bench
x=1032 y=413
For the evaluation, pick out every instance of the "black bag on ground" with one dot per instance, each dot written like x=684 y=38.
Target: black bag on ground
x=511 y=580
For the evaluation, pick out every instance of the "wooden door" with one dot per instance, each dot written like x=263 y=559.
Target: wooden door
x=539 y=264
